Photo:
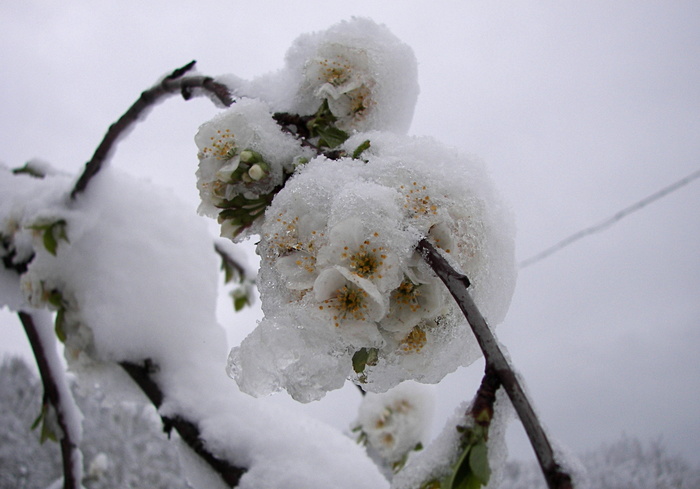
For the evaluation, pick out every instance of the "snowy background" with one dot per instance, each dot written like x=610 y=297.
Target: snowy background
x=579 y=110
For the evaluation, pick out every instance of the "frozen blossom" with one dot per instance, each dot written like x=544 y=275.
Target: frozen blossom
x=340 y=276
x=394 y=423
x=357 y=70
x=244 y=156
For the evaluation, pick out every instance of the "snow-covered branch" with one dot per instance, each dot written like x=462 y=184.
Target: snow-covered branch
x=173 y=83
x=189 y=432
x=457 y=284
x=61 y=405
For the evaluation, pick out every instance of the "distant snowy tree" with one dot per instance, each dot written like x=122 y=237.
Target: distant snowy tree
x=123 y=443
x=625 y=464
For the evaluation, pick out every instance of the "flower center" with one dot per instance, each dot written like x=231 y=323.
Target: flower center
x=335 y=72
x=407 y=294
x=222 y=146
x=350 y=302
x=364 y=263
x=418 y=201
x=415 y=341
x=367 y=260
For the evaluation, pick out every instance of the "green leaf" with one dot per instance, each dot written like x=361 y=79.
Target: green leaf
x=364 y=357
x=239 y=303
x=323 y=125
x=360 y=149
x=241 y=297
x=331 y=136
x=50 y=242
x=55 y=298
x=38 y=419
x=472 y=469
x=479 y=462
x=46 y=432
x=60 y=326
x=230 y=272
x=53 y=232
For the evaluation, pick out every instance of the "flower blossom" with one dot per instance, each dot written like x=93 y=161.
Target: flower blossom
x=394 y=423
x=243 y=158
x=367 y=77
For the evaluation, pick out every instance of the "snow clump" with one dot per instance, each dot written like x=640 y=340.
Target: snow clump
x=357 y=70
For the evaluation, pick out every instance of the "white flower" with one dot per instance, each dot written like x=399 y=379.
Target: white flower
x=395 y=422
x=340 y=75
x=291 y=243
x=365 y=253
x=244 y=157
x=410 y=303
x=352 y=304
x=368 y=77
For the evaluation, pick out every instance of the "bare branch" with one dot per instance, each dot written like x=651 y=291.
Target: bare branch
x=188 y=431
x=172 y=84
x=55 y=391
x=457 y=284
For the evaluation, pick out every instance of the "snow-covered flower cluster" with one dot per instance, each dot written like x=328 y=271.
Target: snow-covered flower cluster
x=357 y=70
x=393 y=424
x=244 y=158
x=344 y=292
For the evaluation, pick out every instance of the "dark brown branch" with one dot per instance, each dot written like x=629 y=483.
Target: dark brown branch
x=188 y=431
x=172 y=84
x=457 y=284
x=52 y=393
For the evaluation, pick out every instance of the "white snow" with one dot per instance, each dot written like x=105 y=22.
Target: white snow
x=139 y=275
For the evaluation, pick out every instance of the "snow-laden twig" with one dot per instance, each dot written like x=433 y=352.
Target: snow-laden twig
x=188 y=431
x=457 y=284
x=39 y=329
x=174 y=83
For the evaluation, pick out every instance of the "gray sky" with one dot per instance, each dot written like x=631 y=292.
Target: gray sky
x=578 y=108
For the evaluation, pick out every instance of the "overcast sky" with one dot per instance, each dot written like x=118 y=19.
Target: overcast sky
x=578 y=108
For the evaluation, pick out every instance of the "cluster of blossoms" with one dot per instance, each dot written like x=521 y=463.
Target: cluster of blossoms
x=244 y=158
x=393 y=424
x=312 y=160
x=341 y=281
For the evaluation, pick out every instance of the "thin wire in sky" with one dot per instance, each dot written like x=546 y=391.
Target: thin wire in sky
x=610 y=221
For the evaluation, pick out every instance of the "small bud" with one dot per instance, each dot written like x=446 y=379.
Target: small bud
x=250 y=156
x=257 y=172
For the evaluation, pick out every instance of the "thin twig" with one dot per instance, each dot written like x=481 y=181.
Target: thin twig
x=172 y=84
x=457 y=285
x=241 y=274
x=55 y=393
x=188 y=431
